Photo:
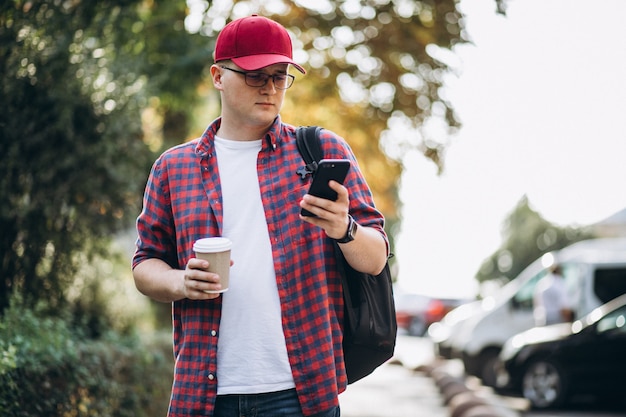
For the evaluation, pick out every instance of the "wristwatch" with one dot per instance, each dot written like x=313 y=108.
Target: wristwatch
x=350 y=232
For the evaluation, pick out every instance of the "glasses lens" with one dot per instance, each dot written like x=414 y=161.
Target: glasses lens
x=259 y=79
x=256 y=79
x=282 y=81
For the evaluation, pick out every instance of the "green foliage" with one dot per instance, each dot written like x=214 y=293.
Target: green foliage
x=75 y=78
x=526 y=237
x=49 y=369
x=70 y=148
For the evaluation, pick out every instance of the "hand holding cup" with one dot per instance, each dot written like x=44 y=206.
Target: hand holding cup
x=215 y=250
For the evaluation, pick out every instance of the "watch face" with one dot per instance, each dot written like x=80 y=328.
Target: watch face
x=352 y=229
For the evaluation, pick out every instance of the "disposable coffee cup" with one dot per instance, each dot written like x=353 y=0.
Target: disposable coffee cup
x=216 y=250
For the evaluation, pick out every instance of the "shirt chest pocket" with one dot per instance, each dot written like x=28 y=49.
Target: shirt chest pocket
x=293 y=230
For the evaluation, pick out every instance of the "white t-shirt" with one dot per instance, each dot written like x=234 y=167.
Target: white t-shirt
x=251 y=351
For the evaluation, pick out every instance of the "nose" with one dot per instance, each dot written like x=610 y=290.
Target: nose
x=269 y=86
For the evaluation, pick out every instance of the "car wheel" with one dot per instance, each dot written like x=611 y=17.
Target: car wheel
x=543 y=384
x=488 y=362
x=417 y=327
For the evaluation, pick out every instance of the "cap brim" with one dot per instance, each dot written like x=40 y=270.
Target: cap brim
x=255 y=62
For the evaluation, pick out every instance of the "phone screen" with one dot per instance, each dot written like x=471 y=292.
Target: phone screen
x=327 y=169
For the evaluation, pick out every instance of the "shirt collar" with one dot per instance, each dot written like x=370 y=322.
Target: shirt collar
x=206 y=145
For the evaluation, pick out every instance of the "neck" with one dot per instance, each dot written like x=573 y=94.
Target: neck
x=242 y=133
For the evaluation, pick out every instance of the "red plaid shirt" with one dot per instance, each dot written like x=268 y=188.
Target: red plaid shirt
x=182 y=203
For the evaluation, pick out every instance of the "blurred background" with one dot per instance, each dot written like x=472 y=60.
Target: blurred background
x=540 y=95
x=489 y=131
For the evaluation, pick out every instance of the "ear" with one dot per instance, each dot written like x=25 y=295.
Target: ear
x=216 y=75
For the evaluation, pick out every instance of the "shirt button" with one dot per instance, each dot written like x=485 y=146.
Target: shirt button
x=211 y=377
x=213 y=333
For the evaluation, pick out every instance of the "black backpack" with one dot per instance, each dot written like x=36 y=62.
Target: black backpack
x=369 y=327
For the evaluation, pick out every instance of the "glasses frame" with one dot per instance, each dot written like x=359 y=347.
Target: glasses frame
x=289 y=79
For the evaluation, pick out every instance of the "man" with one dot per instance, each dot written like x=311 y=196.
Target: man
x=271 y=344
x=551 y=303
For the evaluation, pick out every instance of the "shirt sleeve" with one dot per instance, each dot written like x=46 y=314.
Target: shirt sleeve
x=155 y=224
x=362 y=206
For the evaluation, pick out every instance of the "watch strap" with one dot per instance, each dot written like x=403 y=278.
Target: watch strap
x=350 y=231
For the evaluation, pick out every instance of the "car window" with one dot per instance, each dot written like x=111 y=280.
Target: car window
x=573 y=273
x=613 y=322
x=609 y=283
x=524 y=297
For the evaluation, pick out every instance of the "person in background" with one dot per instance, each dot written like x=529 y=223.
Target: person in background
x=272 y=344
x=551 y=301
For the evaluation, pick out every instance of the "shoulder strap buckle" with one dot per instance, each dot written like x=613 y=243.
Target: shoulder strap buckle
x=307 y=140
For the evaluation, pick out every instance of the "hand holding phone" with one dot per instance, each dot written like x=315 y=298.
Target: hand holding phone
x=327 y=169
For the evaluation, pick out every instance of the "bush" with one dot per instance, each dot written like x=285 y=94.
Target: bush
x=50 y=369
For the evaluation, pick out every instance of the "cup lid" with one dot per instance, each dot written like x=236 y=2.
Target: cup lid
x=212 y=244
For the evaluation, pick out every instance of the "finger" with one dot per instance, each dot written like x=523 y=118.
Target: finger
x=197 y=263
x=197 y=280
x=341 y=190
x=317 y=205
x=203 y=289
x=338 y=187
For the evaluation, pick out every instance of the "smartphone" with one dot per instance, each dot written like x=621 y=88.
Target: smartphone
x=327 y=169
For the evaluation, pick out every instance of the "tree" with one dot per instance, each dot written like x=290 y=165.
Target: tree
x=75 y=79
x=526 y=236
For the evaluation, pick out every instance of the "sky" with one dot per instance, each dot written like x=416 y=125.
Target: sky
x=541 y=94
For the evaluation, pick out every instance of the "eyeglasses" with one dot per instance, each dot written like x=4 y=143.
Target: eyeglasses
x=259 y=79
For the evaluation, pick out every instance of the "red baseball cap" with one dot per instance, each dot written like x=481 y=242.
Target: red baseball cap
x=255 y=42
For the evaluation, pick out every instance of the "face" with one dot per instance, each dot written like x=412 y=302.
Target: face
x=243 y=105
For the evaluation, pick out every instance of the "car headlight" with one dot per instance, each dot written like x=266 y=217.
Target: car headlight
x=438 y=332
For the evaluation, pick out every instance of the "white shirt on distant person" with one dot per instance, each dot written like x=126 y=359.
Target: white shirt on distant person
x=550 y=299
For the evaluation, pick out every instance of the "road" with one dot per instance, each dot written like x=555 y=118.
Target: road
x=394 y=390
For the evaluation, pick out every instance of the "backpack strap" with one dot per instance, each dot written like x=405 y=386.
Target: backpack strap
x=309 y=146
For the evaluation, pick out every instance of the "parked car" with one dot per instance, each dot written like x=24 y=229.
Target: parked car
x=415 y=312
x=594 y=272
x=553 y=364
x=444 y=332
